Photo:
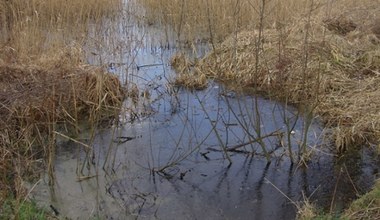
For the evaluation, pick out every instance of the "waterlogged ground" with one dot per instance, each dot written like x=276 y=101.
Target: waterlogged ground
x=165 y=157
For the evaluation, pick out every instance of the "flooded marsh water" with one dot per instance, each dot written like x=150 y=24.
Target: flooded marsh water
x=168 y=156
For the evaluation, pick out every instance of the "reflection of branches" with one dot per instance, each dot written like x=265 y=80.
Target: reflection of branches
x=245 y=127
x=215 y=131
x=261 y=182
x=190 y=129
x=177 y=143
x=282 y=193
x=185 y=155
x=248 y=165
x=222 y=178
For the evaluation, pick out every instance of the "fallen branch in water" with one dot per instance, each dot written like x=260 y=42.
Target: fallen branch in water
x=236 y=147
x=274 y=133
x=82 y=178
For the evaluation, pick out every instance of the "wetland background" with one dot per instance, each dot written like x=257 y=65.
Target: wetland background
x=272 y=109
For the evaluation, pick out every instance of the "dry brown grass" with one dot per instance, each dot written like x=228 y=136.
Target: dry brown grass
x=198 y=19
x=187 y=76
x=307 y=211
x=32 y=28
x=45 y=85
x=330 y=62
x=37 y=100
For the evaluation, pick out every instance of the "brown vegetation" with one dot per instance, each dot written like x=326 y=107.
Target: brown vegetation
x=216 y=19
x=36 y=101
x=187 y=75
x=45 y=87
x=31 y=29
x=341 y=79
x=320 y=55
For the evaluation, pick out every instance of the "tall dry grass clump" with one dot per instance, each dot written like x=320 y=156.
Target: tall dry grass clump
x=32 y=28
x=197 y=19
x=37 y=101
x=46 y=88
x=320 y=55
x=216 y=19
x=223 y=17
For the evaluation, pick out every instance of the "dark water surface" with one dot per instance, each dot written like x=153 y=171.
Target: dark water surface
x=165 y=158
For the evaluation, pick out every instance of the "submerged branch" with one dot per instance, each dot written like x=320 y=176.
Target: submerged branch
x=256 y=140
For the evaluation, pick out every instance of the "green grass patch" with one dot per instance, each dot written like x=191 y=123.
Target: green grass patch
x=24 y=210
x=367 y=206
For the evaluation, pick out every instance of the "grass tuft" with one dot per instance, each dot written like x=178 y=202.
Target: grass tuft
x=187 y=75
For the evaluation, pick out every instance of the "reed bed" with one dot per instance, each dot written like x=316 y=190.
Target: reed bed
x=214 y=20
x=36 y=102
x=46 y=87
x=34 y=28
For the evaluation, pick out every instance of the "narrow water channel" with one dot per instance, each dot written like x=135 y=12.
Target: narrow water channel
x=166 y=159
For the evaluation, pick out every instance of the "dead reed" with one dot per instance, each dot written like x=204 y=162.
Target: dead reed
x=45 y=84
x=187 y=76
x=37 y=101
x=306 y=211
x=215 y=19
x=33 y=28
